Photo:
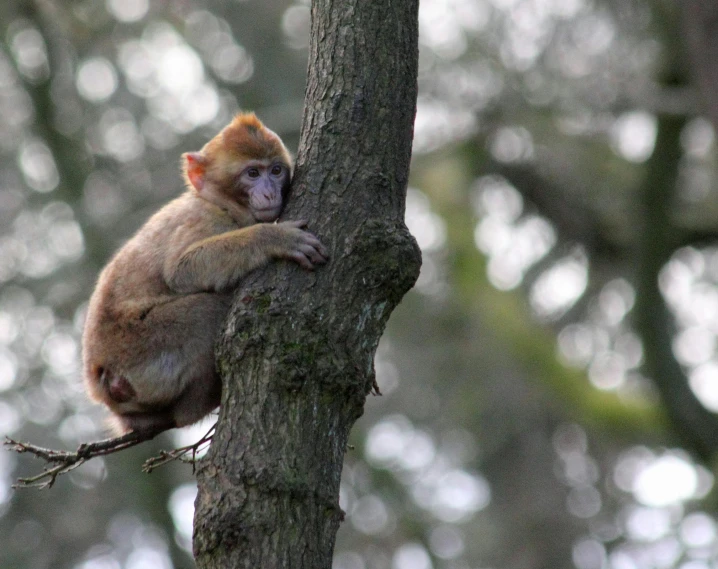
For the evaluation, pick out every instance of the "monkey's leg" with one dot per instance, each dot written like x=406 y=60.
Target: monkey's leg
x=201 y=397
x=159 y=420
x=173 y=374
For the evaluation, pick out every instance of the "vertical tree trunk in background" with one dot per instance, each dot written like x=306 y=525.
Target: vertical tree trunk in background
x=297 y=354
x=700 y=32
x=696 y=426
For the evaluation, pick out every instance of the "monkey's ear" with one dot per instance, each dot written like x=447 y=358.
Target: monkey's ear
x=194 y=169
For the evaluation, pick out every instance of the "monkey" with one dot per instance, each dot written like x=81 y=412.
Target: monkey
x=159 y=304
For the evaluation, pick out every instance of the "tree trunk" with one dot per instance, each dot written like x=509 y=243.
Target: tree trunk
x=297 y=354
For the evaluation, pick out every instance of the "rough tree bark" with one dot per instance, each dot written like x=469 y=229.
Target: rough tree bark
x=297 y=354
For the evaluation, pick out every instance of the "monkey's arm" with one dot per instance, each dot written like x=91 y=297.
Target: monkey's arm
x=217 y=263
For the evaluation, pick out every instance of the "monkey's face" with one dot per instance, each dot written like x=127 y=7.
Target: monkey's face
x=263 y=183
x=245 y=170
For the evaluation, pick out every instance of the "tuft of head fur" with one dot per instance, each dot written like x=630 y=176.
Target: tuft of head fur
x=246 y=138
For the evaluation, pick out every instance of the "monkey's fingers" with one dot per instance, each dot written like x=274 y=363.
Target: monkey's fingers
x=323 y=251
x=302 y=260
x=313 y=254
x=314 y=243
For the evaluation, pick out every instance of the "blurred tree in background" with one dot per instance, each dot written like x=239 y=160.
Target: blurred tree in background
x=550 y=386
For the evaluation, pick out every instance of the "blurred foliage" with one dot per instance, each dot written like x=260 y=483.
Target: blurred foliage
x=551 y=383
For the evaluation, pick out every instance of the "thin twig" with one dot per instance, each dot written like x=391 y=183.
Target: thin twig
x=68 y=461
x=179 y=453
x=65 y=461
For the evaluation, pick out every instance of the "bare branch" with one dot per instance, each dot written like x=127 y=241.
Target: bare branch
x=179 y=453
x=64 y=461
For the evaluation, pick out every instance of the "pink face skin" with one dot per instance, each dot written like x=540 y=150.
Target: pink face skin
x=260 y=187
x=265 y=183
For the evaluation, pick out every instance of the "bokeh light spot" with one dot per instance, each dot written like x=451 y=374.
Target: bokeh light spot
x=128 y=10
x=96 y=79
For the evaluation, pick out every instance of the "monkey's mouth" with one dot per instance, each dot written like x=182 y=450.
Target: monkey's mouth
x=267 y=214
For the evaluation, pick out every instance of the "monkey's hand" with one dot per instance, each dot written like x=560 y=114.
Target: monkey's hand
x=301 y=246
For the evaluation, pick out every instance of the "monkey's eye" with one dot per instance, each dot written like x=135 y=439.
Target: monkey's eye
x=253 y=173
x=276 y=170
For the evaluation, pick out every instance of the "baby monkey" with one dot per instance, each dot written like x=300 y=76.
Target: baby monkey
x=152 y=321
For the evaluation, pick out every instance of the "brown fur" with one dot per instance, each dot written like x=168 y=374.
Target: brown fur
x=159 y=304
x=244 y=139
